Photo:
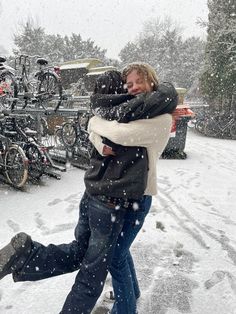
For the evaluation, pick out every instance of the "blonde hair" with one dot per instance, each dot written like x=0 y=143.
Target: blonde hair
x=144 y=70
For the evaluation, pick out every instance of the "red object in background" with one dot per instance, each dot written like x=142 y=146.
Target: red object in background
x=180 y=111
x=4 y=87
x=57 y=70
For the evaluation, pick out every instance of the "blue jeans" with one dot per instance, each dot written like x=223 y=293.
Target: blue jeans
x=96 y=235
x=124 y=280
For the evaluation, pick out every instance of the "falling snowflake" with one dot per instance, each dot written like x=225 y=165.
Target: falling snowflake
x=135 y=206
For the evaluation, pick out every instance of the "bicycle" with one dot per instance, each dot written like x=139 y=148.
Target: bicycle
x=50 y=137
x=200 y=119
x=8 y=86
x=75 y=138
x=20 y=134
x=43 y=88
x=221 y=126
x=13 y=161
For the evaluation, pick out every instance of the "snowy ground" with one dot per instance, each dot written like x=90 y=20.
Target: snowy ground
x=185 y=253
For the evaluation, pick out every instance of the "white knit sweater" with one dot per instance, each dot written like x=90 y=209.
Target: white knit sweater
x=150 y=133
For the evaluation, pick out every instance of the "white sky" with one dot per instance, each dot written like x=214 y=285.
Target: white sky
x=110 y=23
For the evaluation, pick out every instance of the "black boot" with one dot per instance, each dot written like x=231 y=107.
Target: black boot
x=19 y=246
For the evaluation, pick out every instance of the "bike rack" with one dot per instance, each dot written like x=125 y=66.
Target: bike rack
x=37 y=110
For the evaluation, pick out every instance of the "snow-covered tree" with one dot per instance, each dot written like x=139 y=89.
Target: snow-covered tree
x=33 y=40
x=191 y=59
x=218 y=81
x=75 y=48
x=161 y=44
x=30 y=39
x=130 y=53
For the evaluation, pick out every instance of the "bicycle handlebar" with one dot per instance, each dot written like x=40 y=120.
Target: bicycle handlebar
x=28 y=56
x=25 y=59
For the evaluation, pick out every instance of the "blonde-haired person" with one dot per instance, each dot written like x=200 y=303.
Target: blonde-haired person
x=151 y=106
x=145 y=71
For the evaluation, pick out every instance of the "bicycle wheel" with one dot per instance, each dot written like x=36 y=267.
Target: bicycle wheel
x=200 y=125
x=69 y=134
x=233 y=131
x=211 y=129
x=58 y=138
x=50 y=87
x=36 y=160
x=8 y=90
x=41 y=126
x=191 y=124
x=16 y=166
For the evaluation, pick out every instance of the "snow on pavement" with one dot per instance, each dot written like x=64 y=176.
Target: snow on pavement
x=185 y=254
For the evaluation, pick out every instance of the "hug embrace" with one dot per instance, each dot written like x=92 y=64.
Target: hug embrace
x=129 y=131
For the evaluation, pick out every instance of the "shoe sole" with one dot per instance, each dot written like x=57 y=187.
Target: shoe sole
x=10 y=252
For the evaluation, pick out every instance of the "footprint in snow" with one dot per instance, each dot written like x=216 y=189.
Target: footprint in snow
x=216 y=277
x=40 y=223
x=13 y=225
x=72 y=198
x=232 y=281
x=54 y=202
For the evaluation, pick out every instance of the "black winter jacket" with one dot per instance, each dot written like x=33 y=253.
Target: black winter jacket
x=125 y=174
x=125 y=108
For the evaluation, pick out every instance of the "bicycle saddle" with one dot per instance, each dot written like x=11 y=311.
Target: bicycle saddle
x=42 y=61
x=2 y=59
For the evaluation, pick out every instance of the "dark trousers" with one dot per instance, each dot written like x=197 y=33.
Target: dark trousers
x=122 y=269
x=96 y=234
